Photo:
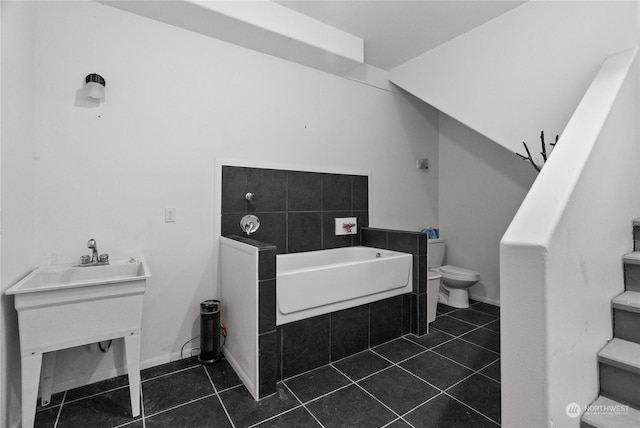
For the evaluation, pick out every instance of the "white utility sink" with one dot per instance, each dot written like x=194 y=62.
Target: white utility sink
x=62 y=306
x=56 y=277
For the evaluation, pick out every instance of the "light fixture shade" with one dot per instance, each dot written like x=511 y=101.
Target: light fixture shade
x=95 y=87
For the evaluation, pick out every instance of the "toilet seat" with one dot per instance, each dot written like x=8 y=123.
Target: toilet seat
x=460 y=273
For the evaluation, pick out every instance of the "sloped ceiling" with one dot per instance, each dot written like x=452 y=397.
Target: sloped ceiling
x=396 y=31
x=316 y=33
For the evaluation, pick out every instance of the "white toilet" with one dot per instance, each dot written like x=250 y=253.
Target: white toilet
x=455 y=280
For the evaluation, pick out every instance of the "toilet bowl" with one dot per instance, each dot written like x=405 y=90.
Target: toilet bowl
x=455 y=280
x=454 y=284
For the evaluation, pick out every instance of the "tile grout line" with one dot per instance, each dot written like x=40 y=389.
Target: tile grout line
x=443 y=391
x=184 y=369
x=366 y=392
x=270 y=418
x=444 y=356
x=215 y=390
x=475 y=410
x=464 y=340
x=328 y=393
x=459 y=363
x=400 y=417
x=467 y=322
x=413 y=374
x=420 y=405
x=55 y=424
x=126 y=386
x=304 y=406
x=144 y=423
x=96 y=394
x=375 y=398
x=364 y=377
x=330 y=363
x=475 y=344
x=195 y=400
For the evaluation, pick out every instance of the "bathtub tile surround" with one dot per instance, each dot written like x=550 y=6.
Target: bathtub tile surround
x=316 y=341
x=414 y=243
x=268 y=343
x=349 y=332
x=268 y=335
x=296 y=208
x=386 y=320
x=305 y=345
x=409 y=381
x=266 y=300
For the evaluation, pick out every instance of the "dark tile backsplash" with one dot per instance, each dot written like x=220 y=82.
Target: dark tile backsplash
x=296 y=209
x=303 y=191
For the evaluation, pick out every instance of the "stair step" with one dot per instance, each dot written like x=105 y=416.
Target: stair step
x=626 y=316
x=608 y=413
x=622 y=354
x=632 y=258
x=619 y=369
x=625 y=325
x=632 y=271
x=628 y=301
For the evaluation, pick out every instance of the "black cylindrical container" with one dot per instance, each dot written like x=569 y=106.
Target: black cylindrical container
x=209 y=331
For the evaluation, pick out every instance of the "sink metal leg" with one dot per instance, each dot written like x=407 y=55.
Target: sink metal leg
x=132 y=351
x=46 y=379
x=31 y=365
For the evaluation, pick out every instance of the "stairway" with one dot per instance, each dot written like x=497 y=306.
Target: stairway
x=618 y=404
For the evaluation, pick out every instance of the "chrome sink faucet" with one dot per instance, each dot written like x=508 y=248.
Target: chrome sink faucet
x=94 y=259
x=93 y=245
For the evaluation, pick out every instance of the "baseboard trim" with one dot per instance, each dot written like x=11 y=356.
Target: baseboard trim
x=485 y=299
x=118 y=371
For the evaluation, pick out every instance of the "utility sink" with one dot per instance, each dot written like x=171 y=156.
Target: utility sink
x=57 y=277
x=62 y=306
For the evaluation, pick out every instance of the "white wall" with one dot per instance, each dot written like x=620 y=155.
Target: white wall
x=481 y=187
x=17 y=178
x=561 y=258
x=176 y=101
x=524 y=71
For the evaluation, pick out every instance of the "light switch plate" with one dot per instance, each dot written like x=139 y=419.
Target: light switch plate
x=351 y=229
x=169 y=215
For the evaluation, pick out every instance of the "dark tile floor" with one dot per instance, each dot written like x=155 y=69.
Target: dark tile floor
x=448 y=378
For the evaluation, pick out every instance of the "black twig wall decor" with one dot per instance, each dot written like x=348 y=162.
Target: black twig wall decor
x=543 y=153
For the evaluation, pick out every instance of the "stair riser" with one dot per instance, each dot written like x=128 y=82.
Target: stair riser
x=632 y=277
x=626 y=325
x=620 y=385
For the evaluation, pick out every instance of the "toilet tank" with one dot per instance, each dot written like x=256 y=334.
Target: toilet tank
x=436 y=249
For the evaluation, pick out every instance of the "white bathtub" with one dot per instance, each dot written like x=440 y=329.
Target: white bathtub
x=319 y=282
